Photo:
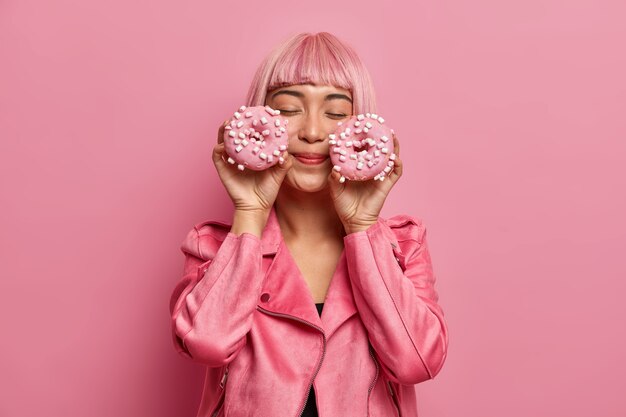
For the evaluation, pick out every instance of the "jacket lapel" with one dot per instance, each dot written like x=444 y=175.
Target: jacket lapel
x=287 y=291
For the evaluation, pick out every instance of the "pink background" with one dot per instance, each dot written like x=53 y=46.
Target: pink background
x=515 y=161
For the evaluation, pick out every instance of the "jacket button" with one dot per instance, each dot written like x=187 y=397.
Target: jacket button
x=265 y=297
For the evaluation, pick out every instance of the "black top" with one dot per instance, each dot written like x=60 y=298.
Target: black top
x=311 y=408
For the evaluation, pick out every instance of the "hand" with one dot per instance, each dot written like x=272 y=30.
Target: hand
x=358 y=203
x=251 y=191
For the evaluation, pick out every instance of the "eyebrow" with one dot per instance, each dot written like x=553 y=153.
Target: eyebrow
x=334 y=96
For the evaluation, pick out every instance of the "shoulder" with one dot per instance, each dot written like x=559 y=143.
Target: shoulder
x=406 y=227
x=205 y=238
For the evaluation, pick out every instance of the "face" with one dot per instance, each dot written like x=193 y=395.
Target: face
x=313 y=112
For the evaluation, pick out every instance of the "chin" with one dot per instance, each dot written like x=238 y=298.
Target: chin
x=307 y=183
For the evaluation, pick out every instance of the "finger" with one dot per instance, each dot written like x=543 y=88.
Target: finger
x=396 y=172
x=220 y=132
x=218 y=154
x=396 y=144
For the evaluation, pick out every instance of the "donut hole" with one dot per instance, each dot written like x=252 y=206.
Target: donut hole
x=363 y=145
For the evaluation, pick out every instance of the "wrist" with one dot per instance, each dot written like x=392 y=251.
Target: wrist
x=249 y=221
x=358 y=226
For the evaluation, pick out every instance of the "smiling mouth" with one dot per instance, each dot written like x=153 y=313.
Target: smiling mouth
x=311 y=160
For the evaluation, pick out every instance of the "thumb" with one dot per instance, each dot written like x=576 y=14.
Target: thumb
x=281 y=168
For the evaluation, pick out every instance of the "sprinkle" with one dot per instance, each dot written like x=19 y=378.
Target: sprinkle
x=276 y=152
x=337 y=150
x=283 y=147
x=390 y=163
x=376 y=152
x=339 y=124
x=349 y=143
x=342 y=135
x=282 y=129
x=237 y=115
x=266 y=132
x=369 y=157
x=281 y=160
x=380 y=145
x=246 y=132
x=277 y=123
x=339 y=142
x=228 y=127
x=392 y=157
x=332 y=136
x=242 y=135
x=358 y=131
x=239 y=148
x=359 y=165
x=342 y=158
x=255 y=122
x=374 y=116
x=262 y=155
x=276 y=112
x=232 y=134
x=370 y=164
x=270 y=158
x=337 y=168
x=360 y=117
x=256 y=150
x=387 y=169
x=231 y=160
x=239 y=123
x=368 y=125
x=331 y=142
x=237 y=141
x=367 y=114
x=245 y=142
x=357 y=123
x=242 y=108
x=248 y=114
x=353 y=156
x=381 y=120
x=263 y=120
x=269 y=110
x=384 y=138
x=366 y=129
x=240 y=167
x=342 y=179
x=278 y=133
x=343 y=152
x=384 y=150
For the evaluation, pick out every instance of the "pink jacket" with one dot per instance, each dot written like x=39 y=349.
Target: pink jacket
x=244 y=311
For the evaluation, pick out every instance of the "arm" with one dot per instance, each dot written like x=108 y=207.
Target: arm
x=399 y=307
x=212 y=306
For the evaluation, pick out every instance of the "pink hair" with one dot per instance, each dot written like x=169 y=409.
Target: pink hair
x=320 y=59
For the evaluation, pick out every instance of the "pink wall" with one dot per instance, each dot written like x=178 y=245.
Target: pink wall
x=108 y=111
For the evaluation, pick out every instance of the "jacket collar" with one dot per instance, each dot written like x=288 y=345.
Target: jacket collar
x=271 y=236
x=288 y=291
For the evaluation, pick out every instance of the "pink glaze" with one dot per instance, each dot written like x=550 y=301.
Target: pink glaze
x=362 y=148
x=255 y=138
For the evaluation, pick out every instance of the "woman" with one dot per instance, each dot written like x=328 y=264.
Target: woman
x=300 y=239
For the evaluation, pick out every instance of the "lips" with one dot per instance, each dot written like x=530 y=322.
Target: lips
x=311 y=158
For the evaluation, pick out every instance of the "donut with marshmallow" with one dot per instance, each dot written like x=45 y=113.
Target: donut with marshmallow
x=255 y=138
x=362 y=148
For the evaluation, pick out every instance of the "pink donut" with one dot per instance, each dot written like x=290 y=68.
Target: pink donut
x=362 y=148
x=255 y=138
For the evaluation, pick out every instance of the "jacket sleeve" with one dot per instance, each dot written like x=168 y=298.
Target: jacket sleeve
x=395 y=295
x=213 y=304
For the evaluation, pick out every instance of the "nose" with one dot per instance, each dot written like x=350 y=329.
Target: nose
x=312 y=129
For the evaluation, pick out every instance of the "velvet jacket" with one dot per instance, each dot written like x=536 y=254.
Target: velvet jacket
x=243 y=310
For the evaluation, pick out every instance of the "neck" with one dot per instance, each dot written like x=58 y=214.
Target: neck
x=307 y=215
